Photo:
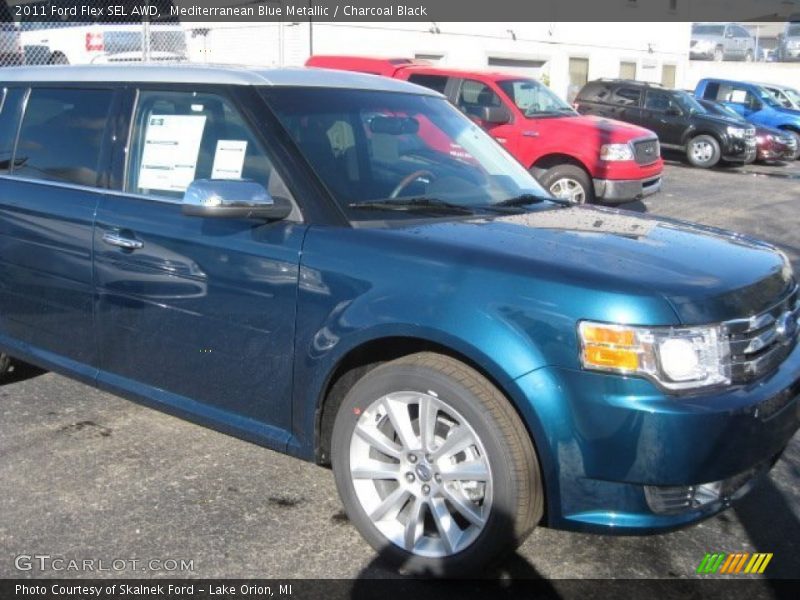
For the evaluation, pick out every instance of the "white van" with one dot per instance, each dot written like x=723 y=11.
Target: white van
x=71 y=42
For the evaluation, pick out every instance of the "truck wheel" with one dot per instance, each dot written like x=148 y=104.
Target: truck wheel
x=568 y=182
x=434 y=466
x=703 y=151
x=719 y=54
x=57 y=58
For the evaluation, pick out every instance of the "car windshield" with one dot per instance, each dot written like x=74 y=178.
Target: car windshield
x=721 y=109
x=689 y=103
x=793 y=95
x=708 y=29
x=387 y=151
x=533 y=98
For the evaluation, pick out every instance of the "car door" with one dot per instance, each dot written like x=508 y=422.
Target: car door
x=663 y=115
x=473 y=96
x=48 y=200
x=730 y=43
x=195 y=312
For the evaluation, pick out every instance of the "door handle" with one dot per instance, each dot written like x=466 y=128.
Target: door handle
x=114 y=238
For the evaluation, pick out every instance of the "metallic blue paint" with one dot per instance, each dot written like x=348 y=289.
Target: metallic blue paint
x=240 y=324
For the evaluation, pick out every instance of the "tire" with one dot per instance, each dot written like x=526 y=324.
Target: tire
x=57 y=58
x=719 y=54
x=568 y=182
x=796 y=136
x=703 y=151
x=507 y=498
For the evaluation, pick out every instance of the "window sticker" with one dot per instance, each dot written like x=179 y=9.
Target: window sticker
x=229 y=159
x=171 y=148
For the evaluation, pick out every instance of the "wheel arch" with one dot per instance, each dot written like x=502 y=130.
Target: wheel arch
x=552 y=159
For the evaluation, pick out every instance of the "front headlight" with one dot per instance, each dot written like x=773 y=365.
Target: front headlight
x=677 y=358
x=736 y=132
x=612 y=152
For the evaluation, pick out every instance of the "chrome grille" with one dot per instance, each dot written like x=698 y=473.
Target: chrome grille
x=760 y=343
x=646 y=151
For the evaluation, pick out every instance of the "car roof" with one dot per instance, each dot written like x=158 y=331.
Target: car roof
x=209 y=74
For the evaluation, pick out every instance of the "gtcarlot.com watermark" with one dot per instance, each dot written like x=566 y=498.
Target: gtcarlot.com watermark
x=48 y=563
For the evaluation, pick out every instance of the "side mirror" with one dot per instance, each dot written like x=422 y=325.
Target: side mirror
x=233 y=199
x=494 y=115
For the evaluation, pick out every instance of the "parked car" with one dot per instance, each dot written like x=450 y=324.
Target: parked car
x=721 y=41
x=789 y=43
x=786 y=96
x=679 y=120
x=753 y=102
x=580 y=159
x=771 y=144
x=464 y=349
x=10 y=46
x=99 y=41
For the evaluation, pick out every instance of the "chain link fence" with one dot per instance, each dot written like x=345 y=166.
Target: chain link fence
x=52 y=32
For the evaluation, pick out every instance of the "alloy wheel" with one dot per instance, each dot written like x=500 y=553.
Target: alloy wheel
x=702 y=151
x=421 y=474
x=568 y=189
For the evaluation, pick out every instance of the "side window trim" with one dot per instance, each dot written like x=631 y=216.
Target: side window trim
x=23 y=108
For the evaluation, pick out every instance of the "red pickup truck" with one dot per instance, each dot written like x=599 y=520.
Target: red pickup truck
x=578 y=158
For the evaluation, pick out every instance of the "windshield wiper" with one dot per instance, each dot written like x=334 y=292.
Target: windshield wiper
x=526 y=199
x=418 y=204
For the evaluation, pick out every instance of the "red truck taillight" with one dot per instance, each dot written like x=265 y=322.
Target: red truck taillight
x=94 y=42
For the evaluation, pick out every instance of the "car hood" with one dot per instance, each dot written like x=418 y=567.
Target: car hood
x=722 y=120
x=706 y=274
x=609 y=130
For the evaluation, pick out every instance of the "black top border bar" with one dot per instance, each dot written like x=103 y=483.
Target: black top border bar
x=400 y=10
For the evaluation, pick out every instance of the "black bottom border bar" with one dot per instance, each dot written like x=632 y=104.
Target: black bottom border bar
x=388 y=589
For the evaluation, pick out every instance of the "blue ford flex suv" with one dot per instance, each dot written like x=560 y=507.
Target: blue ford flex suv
x=345 y=268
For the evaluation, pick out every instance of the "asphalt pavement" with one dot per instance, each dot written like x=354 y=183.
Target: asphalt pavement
x=89 y=476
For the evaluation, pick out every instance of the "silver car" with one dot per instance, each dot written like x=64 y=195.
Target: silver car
x=789 y=42
x=721 y=41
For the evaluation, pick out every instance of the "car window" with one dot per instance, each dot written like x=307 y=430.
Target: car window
x=475 y=95
x=62 y=135
x=594 y=92
x=534 y=98
x=182 y=136
x=708 y=29
x=10 y=109
x=627 y=96
x=369 y=146
x=434 y=82
x=660 y=101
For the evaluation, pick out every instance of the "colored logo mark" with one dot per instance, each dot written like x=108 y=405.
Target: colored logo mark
x=736 y=563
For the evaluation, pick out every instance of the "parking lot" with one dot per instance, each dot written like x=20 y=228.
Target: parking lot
x=89 y=475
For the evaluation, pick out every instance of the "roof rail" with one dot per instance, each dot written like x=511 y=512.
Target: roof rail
x=634 y=81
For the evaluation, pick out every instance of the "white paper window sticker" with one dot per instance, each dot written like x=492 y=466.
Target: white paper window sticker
x=229 y=159
x=171 y=148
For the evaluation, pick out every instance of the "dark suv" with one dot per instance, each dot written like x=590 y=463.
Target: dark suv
x=680 y=121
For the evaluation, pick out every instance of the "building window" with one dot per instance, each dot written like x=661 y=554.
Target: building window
x=578 y=76
x=627 y=70
x=668 y=76
x=434 y=58
x=515 y=63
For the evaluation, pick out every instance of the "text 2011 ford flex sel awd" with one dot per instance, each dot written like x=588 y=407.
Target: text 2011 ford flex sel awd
x=299 y=258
